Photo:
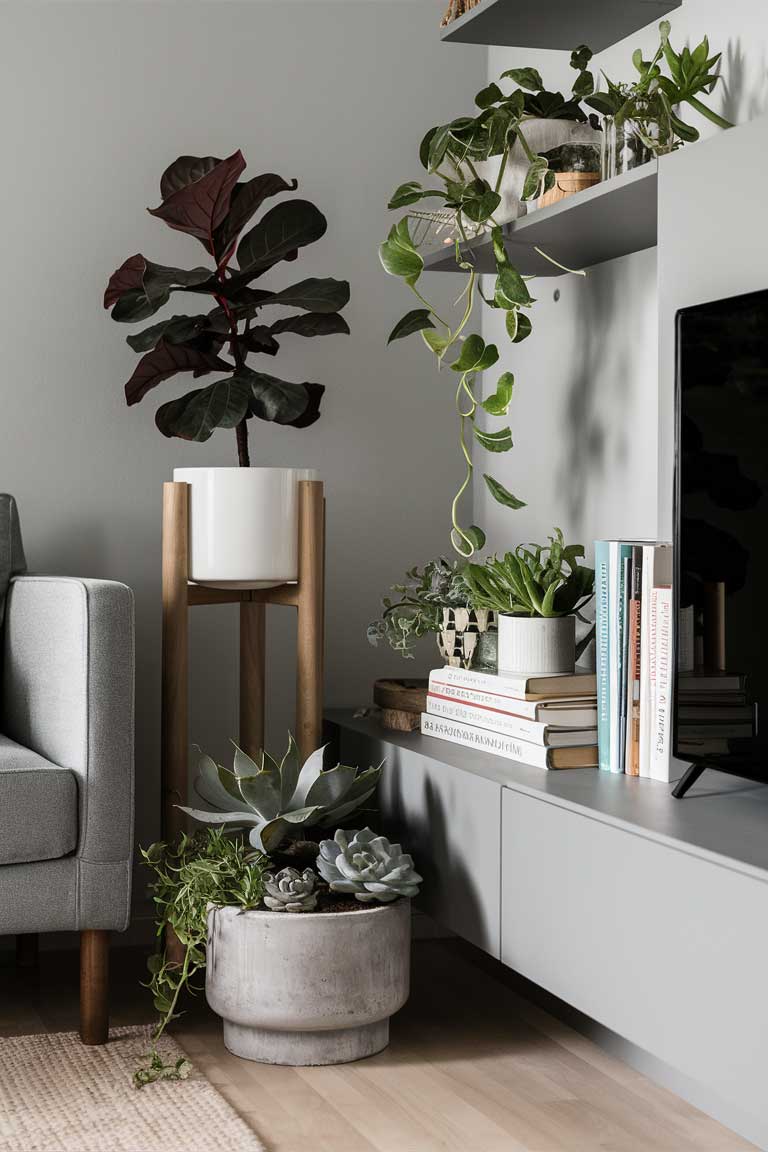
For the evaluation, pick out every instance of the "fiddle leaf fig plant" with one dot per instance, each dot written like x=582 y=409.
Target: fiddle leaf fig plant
x=450 y=154
x=204 y=197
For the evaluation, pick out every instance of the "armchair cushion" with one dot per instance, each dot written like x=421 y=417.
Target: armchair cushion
x=38 y=806
x=12 y=561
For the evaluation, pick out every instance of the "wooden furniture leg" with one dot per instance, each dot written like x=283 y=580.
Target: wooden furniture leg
x=309 y=655
x=27 y=949
x=252 y=659
x=94 y=986
x=175 y=691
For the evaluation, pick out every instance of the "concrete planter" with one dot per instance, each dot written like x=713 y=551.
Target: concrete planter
x=308 y=988
x=532 y=644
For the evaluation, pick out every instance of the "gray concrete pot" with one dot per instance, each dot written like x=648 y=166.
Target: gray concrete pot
x=310 y=987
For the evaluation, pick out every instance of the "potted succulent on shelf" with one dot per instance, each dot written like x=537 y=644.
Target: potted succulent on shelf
x=642 y=119
x=433 y=600
x=485 y=164
x=243 y=521
x=268 y=914
x=537 y=592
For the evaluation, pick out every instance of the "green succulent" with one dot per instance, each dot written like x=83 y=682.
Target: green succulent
x=367 y=866
x=290 y=890
x=534 y=580
x=280 y=800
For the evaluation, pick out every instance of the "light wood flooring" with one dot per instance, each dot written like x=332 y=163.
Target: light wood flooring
x=472 y=1067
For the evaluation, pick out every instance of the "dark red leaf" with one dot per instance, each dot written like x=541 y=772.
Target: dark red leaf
x=200 y=207
x=312 y=411
x=166 y=360
x=128 y=277
x=185 y=171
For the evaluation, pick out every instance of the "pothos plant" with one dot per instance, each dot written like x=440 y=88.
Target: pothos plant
x=418 y=609
x=651 y=103
x=450 y=154
x=203 y=197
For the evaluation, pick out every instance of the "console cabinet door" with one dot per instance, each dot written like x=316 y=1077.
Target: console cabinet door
x=450 y=822
x=664 y=947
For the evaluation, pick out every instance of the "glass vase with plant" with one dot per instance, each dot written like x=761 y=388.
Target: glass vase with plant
x=541 y=583
x=642 y=118
x=453 y=154
x=432 y=600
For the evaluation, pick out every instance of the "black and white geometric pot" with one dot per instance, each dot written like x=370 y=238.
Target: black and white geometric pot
x=457 y=639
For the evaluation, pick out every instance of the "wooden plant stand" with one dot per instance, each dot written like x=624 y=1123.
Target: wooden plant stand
x=179 y=595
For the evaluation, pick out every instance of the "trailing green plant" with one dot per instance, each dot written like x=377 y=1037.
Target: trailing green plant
x=280 y=800
x=419 y=607
x=650 y=103
x=367 y=866
x=534 y=580
x=450 y=154
x=203 y=197
x=210 y=867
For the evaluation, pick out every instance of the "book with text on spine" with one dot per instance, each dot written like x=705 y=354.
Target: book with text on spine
x=603 y=652
x=531 y=730
x=522 y=687
x=510 y=748
x=570 y=711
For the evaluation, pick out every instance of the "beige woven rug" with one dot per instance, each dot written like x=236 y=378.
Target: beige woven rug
x=58 y=1096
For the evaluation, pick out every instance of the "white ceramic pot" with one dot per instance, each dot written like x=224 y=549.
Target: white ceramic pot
x=540 y=136
x=243 y=525
x=309 y=987
x=532 y=644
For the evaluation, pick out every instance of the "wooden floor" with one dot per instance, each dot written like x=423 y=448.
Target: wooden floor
x=472 y=1068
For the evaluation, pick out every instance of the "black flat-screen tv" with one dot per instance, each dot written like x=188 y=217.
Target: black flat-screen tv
x=721 y=538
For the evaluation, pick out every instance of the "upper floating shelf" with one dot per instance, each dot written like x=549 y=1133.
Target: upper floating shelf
x=608 y=220
x=555 y=23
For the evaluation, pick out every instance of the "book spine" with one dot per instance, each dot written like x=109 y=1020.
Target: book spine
x=525 y=708
x=481 y=717
x=646 y=705
x=625 y=584
x=495 y=742
x=632 y=765
x=485 y=681
x=602 y=653
x=616 y=622
x=661 y=608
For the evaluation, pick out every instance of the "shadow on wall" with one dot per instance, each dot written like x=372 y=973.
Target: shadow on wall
x=739 y=104
x=604 y=362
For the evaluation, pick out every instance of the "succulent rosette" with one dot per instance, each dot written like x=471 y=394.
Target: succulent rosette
x=290 y=890
x=367 y=866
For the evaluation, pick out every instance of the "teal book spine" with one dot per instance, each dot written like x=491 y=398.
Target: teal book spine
x=603 y=652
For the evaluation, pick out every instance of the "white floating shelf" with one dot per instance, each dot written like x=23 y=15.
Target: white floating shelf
x=610 y=219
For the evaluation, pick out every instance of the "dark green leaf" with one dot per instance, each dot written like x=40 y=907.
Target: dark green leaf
x=312 y=324
x=165 y=361
x=527 y=78
x=138 y=288
x=534 y=178
x=398 y=255
x=425 y=146
x=288 y=226
x=488 y=96
x=438 y=146
x=279 y=401
x=246 y=199
x=498 y=403
x=518 y=325
x=583 y=85
x=415 y=321
x=580 y=57
x=500 y=493
x=475 y=355
x=313 y=294
x=410 y=193
x=512 y=287
x=196 y=415
x=174 y=331
x=494 y=441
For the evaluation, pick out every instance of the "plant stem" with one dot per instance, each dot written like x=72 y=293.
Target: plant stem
x=463 y=417
x=710 y=115
x=243 y=455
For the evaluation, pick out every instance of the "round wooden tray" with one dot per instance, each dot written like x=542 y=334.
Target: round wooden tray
x=401 y=702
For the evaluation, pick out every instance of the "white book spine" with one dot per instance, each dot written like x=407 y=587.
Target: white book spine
x=466 y=678
x=525 y=708
x=515 y=726
x=496 y=742
x=657 y=570
x=661 y=680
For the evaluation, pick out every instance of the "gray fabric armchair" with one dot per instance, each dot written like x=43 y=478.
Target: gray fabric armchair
x=66 y=763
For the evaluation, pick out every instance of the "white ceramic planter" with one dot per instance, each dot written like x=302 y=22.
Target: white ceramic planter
x=540 y=136
x=310 y=987
x=531 y=644
x=243 y=525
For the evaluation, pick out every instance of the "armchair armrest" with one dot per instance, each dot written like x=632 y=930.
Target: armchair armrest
x=68 y=694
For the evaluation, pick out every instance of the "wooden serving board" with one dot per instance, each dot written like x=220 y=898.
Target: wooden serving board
x=401 y=703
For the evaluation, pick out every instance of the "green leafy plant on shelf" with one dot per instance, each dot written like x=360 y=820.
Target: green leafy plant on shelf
x=649 y=105
x=207 y=868
x=535 y=580
x=418 y=609
x=450 y=153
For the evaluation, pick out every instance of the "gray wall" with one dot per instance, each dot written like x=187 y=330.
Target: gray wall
x=98 y=99
x=587 y=407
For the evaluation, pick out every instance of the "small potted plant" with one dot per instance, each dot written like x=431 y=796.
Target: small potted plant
x=537 y=592
x=642 y=118
x=433 y=600
x=269 y=914
x=243 y=521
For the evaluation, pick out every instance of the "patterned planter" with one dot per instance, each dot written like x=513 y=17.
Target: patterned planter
x=457 y=640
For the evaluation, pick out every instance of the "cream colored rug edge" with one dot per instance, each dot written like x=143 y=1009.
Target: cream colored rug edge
x=56 y=1095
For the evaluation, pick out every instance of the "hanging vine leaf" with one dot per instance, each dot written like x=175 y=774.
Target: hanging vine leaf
x=415 y=321
x=501 y=494
x=498 y=403
x=494 y=441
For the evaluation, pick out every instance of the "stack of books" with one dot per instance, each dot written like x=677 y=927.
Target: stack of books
x=547 y=721
x=634 y=648
x=713 y=711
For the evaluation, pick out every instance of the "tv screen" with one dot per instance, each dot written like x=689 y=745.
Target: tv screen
x=721 y=535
